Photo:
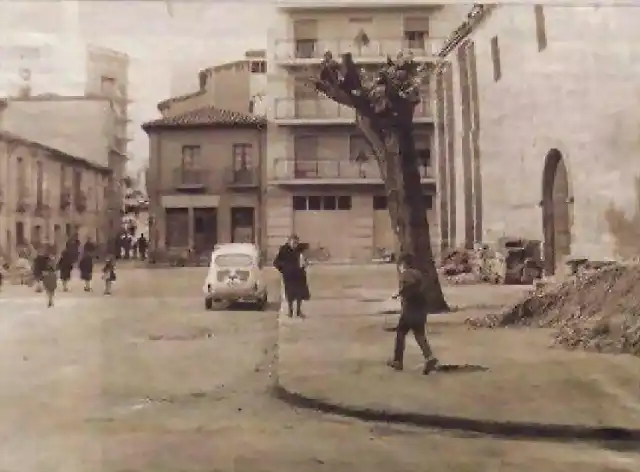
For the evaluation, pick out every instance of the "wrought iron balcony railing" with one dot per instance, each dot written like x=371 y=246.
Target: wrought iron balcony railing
x=332 y=169
x=321 y=108
x=376 y=49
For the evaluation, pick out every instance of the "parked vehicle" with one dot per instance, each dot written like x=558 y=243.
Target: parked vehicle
x=235 y=276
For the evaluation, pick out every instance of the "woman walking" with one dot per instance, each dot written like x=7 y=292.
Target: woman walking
x=49 y=277
x=40 y=262
x=86 y=270
x=65 y=267
x=108 y=275
x=289 y=263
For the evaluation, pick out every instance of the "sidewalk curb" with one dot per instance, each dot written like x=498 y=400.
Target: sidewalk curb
x=507 y=430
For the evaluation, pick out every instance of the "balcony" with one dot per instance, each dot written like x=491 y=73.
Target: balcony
x=243 y=178
x=323 y=111
x=291 y=52
x=332 y=172
x=190 y=180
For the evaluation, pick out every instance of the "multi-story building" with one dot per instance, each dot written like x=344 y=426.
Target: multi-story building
x=204 y=179
x=238 y=86
x=83 y=126
x=46 y=195
x=538 y=130
x=323 y=183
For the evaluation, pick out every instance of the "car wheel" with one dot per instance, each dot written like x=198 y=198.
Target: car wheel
x=262 y=304
x=208 y=303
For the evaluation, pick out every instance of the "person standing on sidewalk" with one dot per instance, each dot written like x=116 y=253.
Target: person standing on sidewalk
x=108 y=275
x=289 y=263
x=413 y=316
x=86 y=270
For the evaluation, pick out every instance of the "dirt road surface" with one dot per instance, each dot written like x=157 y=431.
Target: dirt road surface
x=147 y=380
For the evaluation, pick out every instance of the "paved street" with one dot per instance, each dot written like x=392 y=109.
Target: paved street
x=135 y=382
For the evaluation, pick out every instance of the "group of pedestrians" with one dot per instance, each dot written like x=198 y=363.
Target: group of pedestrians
x=292 y=263
x=46 y=268
x=128 y=246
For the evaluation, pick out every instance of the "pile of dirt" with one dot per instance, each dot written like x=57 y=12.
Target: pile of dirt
x=456 y=261
x=595 y=311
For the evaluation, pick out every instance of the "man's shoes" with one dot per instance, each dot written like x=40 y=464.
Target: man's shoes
x=430 y=365
x=395 y=365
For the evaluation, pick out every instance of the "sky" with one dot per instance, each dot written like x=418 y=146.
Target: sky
x=167 y=44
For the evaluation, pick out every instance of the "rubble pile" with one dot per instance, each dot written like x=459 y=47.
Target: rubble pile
x=455 y=262
x=597 y=310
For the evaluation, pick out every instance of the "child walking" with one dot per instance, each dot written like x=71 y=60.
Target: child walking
x=108 y=274
x=49 y=278
x=86 y=270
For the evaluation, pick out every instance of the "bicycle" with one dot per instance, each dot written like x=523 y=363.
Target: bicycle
x=319 y=254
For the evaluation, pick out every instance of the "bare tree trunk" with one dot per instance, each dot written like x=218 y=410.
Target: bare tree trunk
x=396 y=156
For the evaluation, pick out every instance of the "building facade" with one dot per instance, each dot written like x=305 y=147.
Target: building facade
x=83 y=126
x=238 y=86
x=538 y=129
x=47 y=195
x=320 y=172
x=204 y=179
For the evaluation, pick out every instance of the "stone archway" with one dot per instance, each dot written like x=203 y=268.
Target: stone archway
x=556 y=215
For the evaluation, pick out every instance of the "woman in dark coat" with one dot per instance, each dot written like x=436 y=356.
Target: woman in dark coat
x=38 y=266
x=294 y=275
x=65 y=266
x=86 y=270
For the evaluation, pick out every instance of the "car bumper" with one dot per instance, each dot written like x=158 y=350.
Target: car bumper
x=248 y=295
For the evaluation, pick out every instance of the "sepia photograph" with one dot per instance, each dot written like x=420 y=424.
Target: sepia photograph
x=300 y=236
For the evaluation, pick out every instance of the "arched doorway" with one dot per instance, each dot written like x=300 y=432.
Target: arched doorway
x=556 y=215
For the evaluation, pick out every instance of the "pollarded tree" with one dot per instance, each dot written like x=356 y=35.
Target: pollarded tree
x=384 y=103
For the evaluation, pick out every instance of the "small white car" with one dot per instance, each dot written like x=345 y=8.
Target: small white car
x=235 y=276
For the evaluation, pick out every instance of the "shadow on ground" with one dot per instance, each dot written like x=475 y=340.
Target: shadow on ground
x=615 y=437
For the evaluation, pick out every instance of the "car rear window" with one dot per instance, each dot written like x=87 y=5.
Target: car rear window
x=234 y=260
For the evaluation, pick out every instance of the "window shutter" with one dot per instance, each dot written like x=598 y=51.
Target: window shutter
x=417 y=24
x=305 y=29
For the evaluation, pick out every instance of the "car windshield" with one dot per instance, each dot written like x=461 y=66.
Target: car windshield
x=233 y=260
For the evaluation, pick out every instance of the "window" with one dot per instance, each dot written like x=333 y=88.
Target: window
x=299 y=203
x=302 y=90
x=20 y=240
x=541 y=30
x=21 y=178
x=329 y=203
x=318 y=203
x=107 y=85
x=39 y=183
x=315 y=203
x=344 y=202
x=190 y=156
x=305 y=48
x=428 y=201
x=380 y=202
x=495 y=57
x=359 y=149
x=77 y=183
x=242 y=156
x=416 y=31
x=258 y=67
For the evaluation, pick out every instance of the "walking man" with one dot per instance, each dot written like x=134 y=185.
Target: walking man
x=413 y=316
x=142 y=247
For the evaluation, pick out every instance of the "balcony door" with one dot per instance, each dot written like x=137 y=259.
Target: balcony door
x=305 y=151
x=359 y=38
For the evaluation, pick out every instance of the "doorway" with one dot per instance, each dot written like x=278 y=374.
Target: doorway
x=205 y=229
x=243 y=226
x=556 y=214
